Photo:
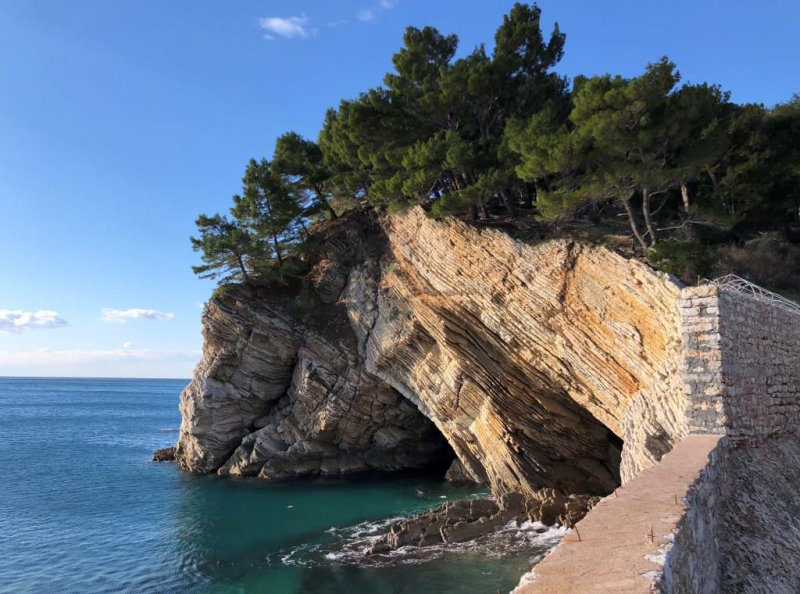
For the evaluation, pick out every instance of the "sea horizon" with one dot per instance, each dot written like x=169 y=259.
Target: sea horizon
x=97 y=377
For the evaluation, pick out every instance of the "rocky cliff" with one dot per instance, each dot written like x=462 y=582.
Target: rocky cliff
x=545 y=368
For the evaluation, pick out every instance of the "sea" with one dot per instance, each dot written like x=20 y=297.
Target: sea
x=83 y=509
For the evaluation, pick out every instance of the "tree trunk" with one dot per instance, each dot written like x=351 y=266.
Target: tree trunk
x=473 y=212
x=647 y=218
x=632 y=219
x=278 y=255
x=508 y=202
x=685 y=196
x=328 y=207
x=304 y=228
x=242 y=268
x=482 y=210
x=713 y=176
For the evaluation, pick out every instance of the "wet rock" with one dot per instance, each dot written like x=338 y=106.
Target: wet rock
x=461 y=521
x=451 y=522
x=164 y=455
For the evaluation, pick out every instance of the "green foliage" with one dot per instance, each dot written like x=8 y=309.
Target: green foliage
x=767 y=260
x=226 y=246
x=303 y=304
x=688 y=260
x=500 y=134
x=252 y=247
x=299 y=163
x=434 y=133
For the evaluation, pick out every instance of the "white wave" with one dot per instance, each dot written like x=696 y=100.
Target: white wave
x=352 y=543
x=365 y=528
x=355 y=541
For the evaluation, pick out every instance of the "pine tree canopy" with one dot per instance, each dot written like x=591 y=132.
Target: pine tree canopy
x=687 y=175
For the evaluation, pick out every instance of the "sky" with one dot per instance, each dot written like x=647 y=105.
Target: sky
x=121 y=121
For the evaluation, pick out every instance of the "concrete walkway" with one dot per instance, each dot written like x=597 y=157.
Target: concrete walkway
x=624 y=535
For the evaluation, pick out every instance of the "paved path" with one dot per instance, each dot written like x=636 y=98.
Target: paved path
x=611 y=556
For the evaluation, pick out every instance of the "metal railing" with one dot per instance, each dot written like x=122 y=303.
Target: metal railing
x=731 y=281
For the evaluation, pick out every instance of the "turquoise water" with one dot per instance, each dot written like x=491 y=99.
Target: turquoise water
x=83 y=509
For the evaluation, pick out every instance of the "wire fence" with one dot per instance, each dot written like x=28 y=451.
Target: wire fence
x=731 y=281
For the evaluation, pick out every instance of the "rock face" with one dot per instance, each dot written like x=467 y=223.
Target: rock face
x=535 y=363
x=458 y=474
x=281 y=394
x=452 y=522
x=529 y=359
x=164 y=455
x=465 y=520
x=276 y=399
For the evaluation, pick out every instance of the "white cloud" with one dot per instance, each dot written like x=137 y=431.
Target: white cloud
x=17 y=320
x=123 y=315
x=289 y=27
x=127 y=345
x=125 y=362
x=366 y=15
x=337 y=23
x=388 y=4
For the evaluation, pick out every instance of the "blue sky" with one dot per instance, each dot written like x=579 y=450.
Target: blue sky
x=121 y=121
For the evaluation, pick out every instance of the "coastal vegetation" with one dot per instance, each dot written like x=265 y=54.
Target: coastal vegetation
x=671 y=172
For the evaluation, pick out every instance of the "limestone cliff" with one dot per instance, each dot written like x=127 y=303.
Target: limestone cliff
x=544 y=367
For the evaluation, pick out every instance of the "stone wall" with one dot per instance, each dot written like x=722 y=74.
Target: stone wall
x=760 y=345
x=693 y=563
x=741 y=365
x=741 y=376
x=701 y=359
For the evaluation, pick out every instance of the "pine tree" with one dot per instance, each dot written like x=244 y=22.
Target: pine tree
x=268 y=209
x=226 y=248
x=300 y=163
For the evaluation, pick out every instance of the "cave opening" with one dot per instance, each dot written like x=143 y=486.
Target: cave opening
x=435 y=453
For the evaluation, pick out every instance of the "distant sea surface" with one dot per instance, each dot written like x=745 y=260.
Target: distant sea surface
x=83 y=509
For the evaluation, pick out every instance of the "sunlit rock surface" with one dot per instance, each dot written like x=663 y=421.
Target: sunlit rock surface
x=547 y=366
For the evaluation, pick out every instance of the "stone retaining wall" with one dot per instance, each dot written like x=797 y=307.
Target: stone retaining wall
x=692 y=565
x=702 y=360
x=760 y=346
x=741 y=378
x=741 y=365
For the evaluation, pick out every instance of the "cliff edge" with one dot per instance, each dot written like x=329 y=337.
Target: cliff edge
x=552 y=372
x=544 y=369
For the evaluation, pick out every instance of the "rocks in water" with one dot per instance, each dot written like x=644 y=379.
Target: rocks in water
x=469 y=519
x=449 y=523
x=164 y=455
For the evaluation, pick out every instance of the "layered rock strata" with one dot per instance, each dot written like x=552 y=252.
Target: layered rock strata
x=465 y=520
x=535 y=363
x=282 y=392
